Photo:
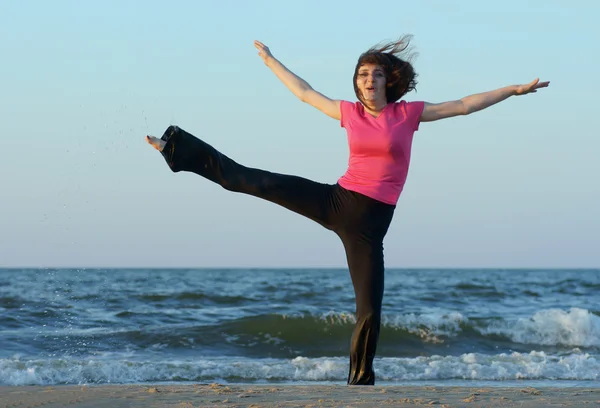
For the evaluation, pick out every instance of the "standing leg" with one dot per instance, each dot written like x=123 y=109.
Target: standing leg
x=184 y=152
x=365 y=223
x=365 y=261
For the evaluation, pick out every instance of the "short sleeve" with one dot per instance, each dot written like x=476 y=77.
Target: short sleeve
x=346 y=110
x=413 y=113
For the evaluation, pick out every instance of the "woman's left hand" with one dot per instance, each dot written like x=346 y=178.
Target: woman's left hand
x=263 y=51
x=531 y=87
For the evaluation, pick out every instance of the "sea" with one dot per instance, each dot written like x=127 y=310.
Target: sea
x=474 y=327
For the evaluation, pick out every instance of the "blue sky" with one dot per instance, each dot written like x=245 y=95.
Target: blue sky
x=83 y=82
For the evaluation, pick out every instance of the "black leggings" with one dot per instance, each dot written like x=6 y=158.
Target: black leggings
x=360 y=221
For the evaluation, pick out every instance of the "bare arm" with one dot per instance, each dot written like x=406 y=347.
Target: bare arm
x=476 y=102
x=297 y=85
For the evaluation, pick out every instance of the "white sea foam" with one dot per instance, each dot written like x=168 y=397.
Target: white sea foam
x=514 y=366
x=553 y=327
x=428 y=326
x=575 y=327
x=439 y=323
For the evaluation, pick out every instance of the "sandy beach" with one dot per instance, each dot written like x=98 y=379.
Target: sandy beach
x=219 y=395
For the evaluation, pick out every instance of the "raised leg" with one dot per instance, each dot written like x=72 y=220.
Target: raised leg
x=185 y=152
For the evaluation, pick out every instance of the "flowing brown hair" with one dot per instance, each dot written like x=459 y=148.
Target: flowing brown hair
x=394 y=57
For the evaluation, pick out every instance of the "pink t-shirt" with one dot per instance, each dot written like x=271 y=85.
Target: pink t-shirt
x=379 y=148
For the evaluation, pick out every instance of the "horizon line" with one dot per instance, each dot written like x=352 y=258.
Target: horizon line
x=305 y=267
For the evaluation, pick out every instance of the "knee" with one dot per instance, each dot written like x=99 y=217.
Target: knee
x=245 y=182
x=230 y=180
x=230 y=184
x=369 y=317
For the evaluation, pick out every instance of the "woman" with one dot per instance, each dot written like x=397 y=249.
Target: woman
x=360 y=206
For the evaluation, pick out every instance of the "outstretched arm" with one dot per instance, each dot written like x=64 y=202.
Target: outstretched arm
x=297 y=85
x=477 y=102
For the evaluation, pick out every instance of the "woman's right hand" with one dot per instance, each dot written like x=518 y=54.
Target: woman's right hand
x=263 y=51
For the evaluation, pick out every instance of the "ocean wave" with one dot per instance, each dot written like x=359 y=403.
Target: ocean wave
x=470 y=366
x=553 y=327
x=328 y=334
x=198 y=298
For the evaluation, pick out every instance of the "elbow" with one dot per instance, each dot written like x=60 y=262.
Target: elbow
x=465 y=109
x=305 y=92
x=303 y=97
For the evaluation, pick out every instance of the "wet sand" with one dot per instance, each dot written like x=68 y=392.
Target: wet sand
x=219 y=395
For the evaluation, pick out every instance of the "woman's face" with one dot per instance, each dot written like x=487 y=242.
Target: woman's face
x=371 y=82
